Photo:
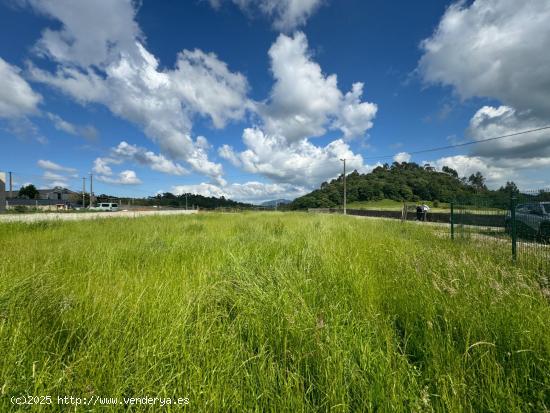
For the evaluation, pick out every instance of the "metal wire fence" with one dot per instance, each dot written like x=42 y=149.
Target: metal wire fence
x=519 y=221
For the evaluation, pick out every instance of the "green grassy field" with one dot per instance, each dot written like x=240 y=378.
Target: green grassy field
x=269 y=312
x=391 y=205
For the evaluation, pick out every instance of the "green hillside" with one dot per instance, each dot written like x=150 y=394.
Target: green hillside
x=403 y=182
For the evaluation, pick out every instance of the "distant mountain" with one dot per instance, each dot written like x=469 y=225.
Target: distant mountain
x=275 y=202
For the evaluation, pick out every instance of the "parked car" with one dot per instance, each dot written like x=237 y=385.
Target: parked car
x=532 y=220
x=106 y=206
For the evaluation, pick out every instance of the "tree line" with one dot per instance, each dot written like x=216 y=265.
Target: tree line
x=166 y=199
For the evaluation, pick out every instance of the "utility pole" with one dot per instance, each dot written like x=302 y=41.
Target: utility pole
x=83 y=192
x=11 y=187
x=345 y=194
x=91 y=190
x=186 y=202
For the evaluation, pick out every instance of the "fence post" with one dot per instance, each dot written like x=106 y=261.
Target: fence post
x=452 y=220
x=513 y=227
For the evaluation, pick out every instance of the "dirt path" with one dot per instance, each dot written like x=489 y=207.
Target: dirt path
x=61 y=216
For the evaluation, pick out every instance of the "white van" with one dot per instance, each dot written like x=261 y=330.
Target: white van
x=106 y=206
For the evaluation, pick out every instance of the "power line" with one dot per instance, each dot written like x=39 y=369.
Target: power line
x=459 y=145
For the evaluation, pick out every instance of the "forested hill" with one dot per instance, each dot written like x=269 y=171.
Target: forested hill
x=400 y=182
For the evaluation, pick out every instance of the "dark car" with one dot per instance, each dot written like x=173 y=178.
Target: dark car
x=532 y=220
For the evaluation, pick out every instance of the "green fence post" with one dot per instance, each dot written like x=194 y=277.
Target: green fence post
x=452 y=220
x=513 y=227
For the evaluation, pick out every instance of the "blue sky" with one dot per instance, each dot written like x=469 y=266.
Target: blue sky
x=258 y=99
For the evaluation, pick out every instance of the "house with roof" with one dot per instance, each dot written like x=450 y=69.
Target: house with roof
x=48 y=199
x=58 y=193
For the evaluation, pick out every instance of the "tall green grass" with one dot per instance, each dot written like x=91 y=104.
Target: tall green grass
x=269 y=312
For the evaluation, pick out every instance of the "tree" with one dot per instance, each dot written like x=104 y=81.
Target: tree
x=509 y=188
x=28 y=191
x=450 y=171
x=477 y=180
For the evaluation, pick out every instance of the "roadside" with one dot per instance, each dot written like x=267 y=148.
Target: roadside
x=53 y=216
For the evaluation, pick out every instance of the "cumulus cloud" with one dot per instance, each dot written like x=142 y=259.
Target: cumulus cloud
x=505 y=46
x=286 y=14
x=101 y=58
x=17 y=99
x=511 y=158
x=402 y=157
x=157 y=162
x=125 y=152
x=493 y=48
x=528 y=174
x=490 y=122
x=466 y=165
x=355 y=117
x=300 y=163
x=101 y=166
x=305 y=102
x=245 y=192
x=127 y=177
x=91 y=33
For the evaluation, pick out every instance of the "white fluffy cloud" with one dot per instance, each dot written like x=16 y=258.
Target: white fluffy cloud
x=493 y=48
x=157 y=162
x=305 y=102
x=402 y=157
x=286 y=14
x=528 y=174
x=466 y=165
x=127 y=177
x=101 y=166
x=246 y=192
x=92 y=32
x=125 y=152
x=300 y=163
x=17 y=99
x=102 y=59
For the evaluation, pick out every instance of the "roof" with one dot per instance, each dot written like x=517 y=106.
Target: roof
x=57 y=189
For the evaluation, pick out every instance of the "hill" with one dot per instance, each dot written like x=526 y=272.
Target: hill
x=402 y=182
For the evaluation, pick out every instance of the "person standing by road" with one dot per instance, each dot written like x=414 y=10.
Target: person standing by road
x=419 y=212
x=425 y=209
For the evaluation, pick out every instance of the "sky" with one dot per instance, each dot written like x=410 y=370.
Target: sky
x=260 y=99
